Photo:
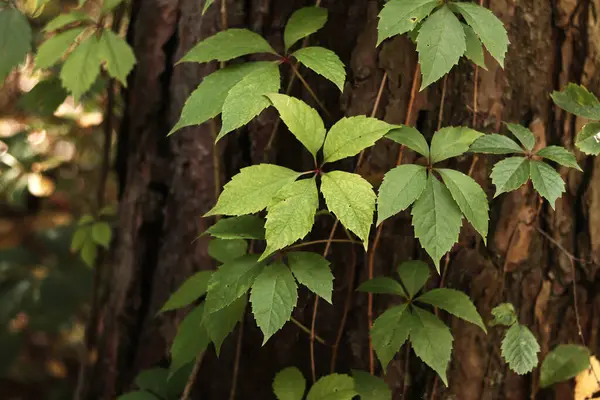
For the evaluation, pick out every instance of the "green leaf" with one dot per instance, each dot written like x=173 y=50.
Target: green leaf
x=109 y=5
x=350 y=135
x=470 y=197
x=588 y=139
x=221 y=323
x=510 y=174
x=80 y=70
x=440 y=43
x=559 y=155
x=153 y=380
x=389 y=332
x=504 y=314
x=302 y=23
x=324 y=62
x=274 y=296
x=63 y=20
x=400 y=188
x=79 y=238
x=431 y=340
x=411 y=138
x=227 y=45
x=15 y=40
x=474 y=47
x=207 y=100
x=231 y=281
x=488 y=27
x=291 y=214
x=224 y=250
x=352 y=200
x=252 y=189
x=578 y=100
x=370 y=387
x=44 y=98
x=382 y=285
x=289 y=384
x=89 y=252
x=495 y=144
x=563 y=363
x=242 y=227
x=333 y=387
x=524 y=135
x=53 y=49
x=520 y=348
x=546 y=181
x=455 y=302
x=401 y=16
x=245 y=100
x=436 y=219
x=451 y=142
x=102 y=234
x=301 y=119
x=117 y=56
x=193 y=287
x=413 y=274
x=312 y=270
x=138 y=395
x=190 y=340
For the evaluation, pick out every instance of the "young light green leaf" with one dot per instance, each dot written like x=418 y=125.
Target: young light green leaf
x=495 y=144
x=382 y=285
x=559 y=155
x=474 y=47
x=102 y=234
x=588 y=139
x=413 y=274
x=289 y=384
x=524 y=135
x=370 y=387
x=578 y=100
x=333 y=387
x=350 y=135
x=411 y=138
x=400 y=188
x=324 y=62
x=252 y=189
x=401 y=16
x=207 y=5
x=63 y=20
x=81 y=68
x=291 y=214
x=301 y=119
x=15 y=40
x=116 y=54
x=351 y=199
x=546 y=181
x=431 y=340
x=451 y=142
x=510 y=174
x=227 y=250
x=312 y=270
x=504 y=314
x=274 y=296
x=231 y=281
x=455 y=302
x=488 y=27
x=302 y=23
x=207 y=100
x=470 y=197
x=440 y=43
x=389 y=332
x=436 y=219
x=242 y=227
x=563 y=363
x=193 y=287
x=221 y=323
x=190 y=340
x=520 y=348
x=245 y=100
x=53 y=49
x=227 y=45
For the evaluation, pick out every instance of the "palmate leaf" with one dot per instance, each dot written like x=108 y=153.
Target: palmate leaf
x=564 y=362
x=324 y=62
x=401 y=186
x=451 y=142
x=546 y=181
x=474 y=47
x=524 y=135
x=54 y=48
x=63 y=20
x=588 y=139
x=455 y=302
x=578 y=100
x=389 y=332
x=382 y=285
x=220 y=324
x=440 y=43
x=333 y=387
x=227 y=250
x=520 y=348
x=193 y=287
x=116 y=54
x=494 y=143
x=413 y=274
x=401 y=16
x=411 y=138
x=242 y=227
x=190 y=340
x=510 y=174
x=289 y=384
x=15 y=40
x=312 y=270
x=81 y=68
x=303 y=23
x=559 y=155
x=370 y=387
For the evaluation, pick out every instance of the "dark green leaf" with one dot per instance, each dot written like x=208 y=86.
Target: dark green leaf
x=224 y=250
x=578 y=100
x=389 y=332
x=289 y=384
x=333 y=387
x=495 y=144
x=221 y=323
x=559 y=155
x=564 y=362
x=455 y=302
x=382 y=285
x=242 y=227
x=413 y=274
x=303 y=22
x=401 y=16
x=370 y=387
x=15 y=40
x=524 y=135
x=411 y=138
x=588 y=140
x=546 y=181
x=190 y=340
x=189 y=291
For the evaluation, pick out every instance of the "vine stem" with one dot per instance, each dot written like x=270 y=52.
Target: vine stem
x=305 y=329
x=309 y=89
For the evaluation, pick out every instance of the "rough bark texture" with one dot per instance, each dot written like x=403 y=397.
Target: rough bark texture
x=167 y=184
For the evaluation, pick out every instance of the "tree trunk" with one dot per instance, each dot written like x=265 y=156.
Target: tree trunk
x=167 y=184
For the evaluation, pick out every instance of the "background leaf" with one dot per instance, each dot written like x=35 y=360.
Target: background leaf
x=303 y=22
x=588 y=139
x=578 y=100
x=289 y=384
x=333 y=387
x=15 y=41
x=191 y=289
x=242 y=227
x=227 y=250
x=564 y=362
x=370 y=387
